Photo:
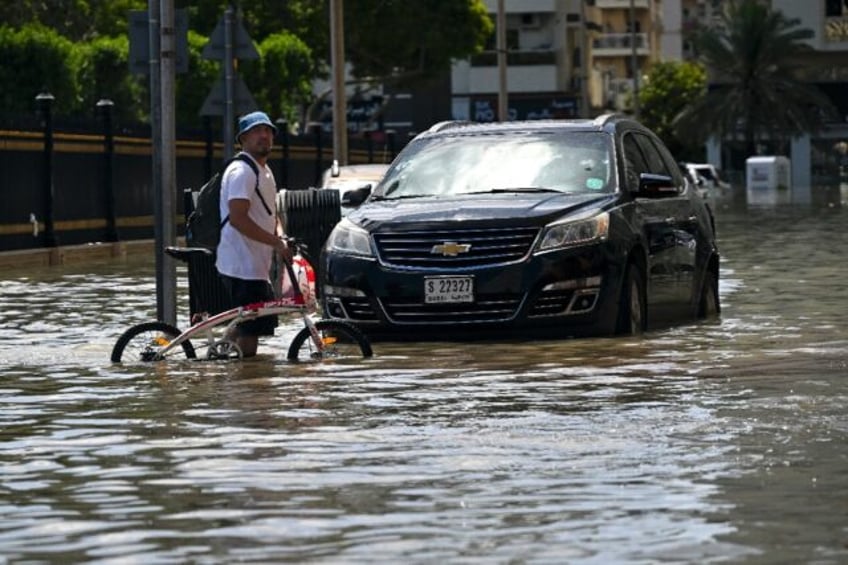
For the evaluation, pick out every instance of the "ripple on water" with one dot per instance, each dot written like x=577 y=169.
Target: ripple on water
x=667 y=447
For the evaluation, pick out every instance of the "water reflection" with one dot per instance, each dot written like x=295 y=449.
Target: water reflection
x=698 y=443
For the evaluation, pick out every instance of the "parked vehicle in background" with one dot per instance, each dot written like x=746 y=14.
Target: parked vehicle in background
x=354 y=182
x=574 y=227
x=705 y=176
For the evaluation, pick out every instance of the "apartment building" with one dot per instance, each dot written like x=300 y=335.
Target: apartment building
x=565 y=58
x=570 y=58
x=539 y=62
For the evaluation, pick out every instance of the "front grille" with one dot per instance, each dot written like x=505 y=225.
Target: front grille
x=472 y=247
x=563 y=302
x=485 y=308
x=551 y=303
x=359 y=309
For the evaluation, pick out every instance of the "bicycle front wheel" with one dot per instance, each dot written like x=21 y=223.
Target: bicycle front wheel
x=339 y=340
x=143 y=342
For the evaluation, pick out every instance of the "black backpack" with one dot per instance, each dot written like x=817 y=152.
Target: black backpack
x=204 y=224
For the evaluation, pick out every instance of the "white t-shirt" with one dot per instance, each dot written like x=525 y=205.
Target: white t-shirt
x=238 y=255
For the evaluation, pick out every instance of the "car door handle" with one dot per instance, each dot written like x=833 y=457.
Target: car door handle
x=672 y=220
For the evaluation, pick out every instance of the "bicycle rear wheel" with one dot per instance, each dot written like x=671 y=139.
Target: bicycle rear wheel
x=340 y=339
x=143 y=341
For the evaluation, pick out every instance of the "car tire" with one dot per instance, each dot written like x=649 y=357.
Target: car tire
x=709 y=305
x=632 y=308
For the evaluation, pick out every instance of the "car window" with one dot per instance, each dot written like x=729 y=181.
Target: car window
x=634 y=161
x=670 y=163
x=478 y=163
x=652 y=156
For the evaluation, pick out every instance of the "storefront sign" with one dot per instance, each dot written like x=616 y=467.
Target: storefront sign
x=484 y=109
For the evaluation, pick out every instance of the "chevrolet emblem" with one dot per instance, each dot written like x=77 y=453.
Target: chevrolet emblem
x=451 y=248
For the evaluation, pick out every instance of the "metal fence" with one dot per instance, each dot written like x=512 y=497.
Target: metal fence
x=68 y=183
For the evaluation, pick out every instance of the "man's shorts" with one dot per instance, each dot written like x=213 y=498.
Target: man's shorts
x=242 y=292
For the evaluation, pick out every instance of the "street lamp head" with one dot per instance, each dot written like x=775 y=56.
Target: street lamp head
x=103 y=107
x=44 y=100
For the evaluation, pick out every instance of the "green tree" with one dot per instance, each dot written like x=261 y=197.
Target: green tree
x=405 y=42
x=32 y=59
x=668 y=89
x=77 y=20
x=387 y=41
x=103 y=74
x=194 y=86
x=285 y=73
x=753 y=55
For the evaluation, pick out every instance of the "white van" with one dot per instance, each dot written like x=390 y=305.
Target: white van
x=705 y=176
x=353 y=178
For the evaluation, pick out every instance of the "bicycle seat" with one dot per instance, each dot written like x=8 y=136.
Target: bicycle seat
x=187 y=253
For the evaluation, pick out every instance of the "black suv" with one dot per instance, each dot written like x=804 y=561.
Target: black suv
x=583 y=227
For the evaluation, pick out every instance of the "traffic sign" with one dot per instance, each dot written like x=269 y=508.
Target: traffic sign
x=139 y=35
x=243 y=47
x=243 y=100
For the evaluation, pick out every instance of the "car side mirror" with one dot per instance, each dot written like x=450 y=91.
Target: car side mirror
x=651 y=185
x=356 y=196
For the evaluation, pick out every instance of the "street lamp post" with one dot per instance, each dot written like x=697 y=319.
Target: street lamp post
x=104 y=107
x=283 y=133
x=337 y=60
x=319 y=151
x=44 y=102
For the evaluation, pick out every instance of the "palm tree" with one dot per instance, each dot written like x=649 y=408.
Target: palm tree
x=753 y=57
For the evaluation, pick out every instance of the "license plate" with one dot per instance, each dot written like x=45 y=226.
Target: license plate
x=446 y=290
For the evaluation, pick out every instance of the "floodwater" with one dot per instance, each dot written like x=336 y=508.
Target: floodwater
x=721 y=441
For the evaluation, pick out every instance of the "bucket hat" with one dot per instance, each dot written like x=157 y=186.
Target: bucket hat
x=251 y=120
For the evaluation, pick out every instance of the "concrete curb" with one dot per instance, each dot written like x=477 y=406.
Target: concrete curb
x=74 y=254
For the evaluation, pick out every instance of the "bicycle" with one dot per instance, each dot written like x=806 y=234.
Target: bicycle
x=317 y=340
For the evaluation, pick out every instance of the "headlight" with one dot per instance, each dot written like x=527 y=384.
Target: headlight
x=576 y=231
x=349 y=238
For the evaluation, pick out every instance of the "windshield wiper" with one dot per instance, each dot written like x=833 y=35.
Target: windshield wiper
x=401 y=196
x=516 y=189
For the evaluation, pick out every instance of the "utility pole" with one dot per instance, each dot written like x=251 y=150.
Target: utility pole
x=166 y=277
x=168 y=67
x=584 y=62
x=337 y=60
x=503 y=112
x=634 y=60
x=229 y=84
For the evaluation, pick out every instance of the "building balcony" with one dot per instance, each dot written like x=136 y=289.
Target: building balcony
x=621 y=4
x=619 y=44
x=515 y=59
x=525 y=6
x=520 y=79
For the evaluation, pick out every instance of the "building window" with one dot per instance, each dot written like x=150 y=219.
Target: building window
x=836 y=8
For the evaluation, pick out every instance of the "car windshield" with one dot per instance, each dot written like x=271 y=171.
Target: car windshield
x=572 y=162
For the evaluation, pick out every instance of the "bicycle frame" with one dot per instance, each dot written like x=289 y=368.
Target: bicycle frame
x=240 y=314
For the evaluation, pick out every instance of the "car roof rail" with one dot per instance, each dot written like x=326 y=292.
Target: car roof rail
x=448 y=124
x=603 y=119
